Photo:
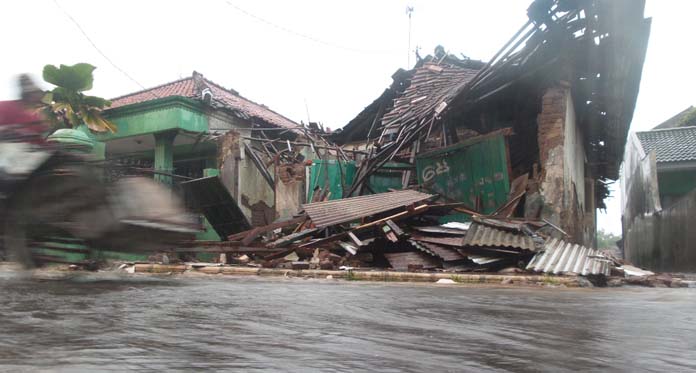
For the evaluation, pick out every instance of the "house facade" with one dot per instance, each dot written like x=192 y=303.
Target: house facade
x=563 y=116
x=193 y=128
x=659 y=195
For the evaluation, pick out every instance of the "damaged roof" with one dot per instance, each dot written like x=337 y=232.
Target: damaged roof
x=670 y=144
x=193 y=87
x=431 y=83
x=411 y=92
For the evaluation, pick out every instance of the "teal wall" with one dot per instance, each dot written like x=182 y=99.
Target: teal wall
x=334 y=174
x=675 y=184
x=156 y=116
x=467 y=171
x=387 y=177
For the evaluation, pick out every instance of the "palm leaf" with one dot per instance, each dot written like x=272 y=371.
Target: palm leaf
x=96 y=122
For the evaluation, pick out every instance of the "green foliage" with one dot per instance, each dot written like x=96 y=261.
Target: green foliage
x=77 y=78
x=606 y=240
x=689 y=119
x=66 y=104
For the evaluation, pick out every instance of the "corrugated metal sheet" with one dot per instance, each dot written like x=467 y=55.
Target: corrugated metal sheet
x=421 y=247
x=559 y=257
x=448 y=241
x=500 y=223
x=446 y=253
x=480 y=235
x=324 y=214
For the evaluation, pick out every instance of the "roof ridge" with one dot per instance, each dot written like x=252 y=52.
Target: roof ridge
x=236 y=93
x=151 y=88
x=667 y=129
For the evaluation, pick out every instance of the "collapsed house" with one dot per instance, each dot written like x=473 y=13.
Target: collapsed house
x=462 y=165
x=459 y=165
x=659 y=194
x=549 y=115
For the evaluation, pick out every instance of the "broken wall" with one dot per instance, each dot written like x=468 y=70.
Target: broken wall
x=244 y=181
x=562 y=158
x=289 y=189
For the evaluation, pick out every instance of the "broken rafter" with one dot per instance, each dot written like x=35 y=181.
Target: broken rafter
x=259 y=165
x=304 y=144
x=267 y=228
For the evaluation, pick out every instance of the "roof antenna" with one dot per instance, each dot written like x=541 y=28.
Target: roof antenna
x=409 y=10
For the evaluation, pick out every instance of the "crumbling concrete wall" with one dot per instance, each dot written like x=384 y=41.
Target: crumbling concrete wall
x=290 y=189
x=562 y=158
x=228 y=162
x=244 y=181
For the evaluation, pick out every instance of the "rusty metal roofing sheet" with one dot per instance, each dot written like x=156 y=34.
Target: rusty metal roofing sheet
x=448 y=241
x=480 y=235
x=324 y=214
x=446 y=253
x=421 y=247
x=560 y=257
x=506 y=224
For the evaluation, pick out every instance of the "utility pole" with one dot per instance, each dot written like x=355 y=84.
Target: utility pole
x=409 y=10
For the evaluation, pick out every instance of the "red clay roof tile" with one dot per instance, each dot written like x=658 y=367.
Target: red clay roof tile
x=227 y=98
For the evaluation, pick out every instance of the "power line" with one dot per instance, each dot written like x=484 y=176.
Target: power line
x=303 y=35
x=99 y=50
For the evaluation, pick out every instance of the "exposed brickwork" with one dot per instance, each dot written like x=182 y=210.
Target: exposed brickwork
x=550 y=122
x=560 y=206
x=291 y=172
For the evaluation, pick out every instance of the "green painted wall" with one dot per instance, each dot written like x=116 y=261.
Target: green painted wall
x=674 y=184
x=337 y=175
x=156 y=116
x=389 y=176
x=467 y=171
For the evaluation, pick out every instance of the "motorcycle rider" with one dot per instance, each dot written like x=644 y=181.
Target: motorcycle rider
x=21 y=118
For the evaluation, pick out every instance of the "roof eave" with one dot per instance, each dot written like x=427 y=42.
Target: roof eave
x=155 y=104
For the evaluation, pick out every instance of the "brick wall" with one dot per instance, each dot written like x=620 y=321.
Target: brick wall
x=561 y=203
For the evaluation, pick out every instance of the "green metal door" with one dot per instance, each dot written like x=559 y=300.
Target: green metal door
x=470 y=172
x=333 y=174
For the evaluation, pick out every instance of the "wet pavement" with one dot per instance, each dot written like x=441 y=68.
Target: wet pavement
x=104 y=323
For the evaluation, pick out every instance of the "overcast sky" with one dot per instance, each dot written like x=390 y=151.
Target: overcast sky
x=322 y=59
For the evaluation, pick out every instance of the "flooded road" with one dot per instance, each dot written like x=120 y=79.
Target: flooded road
x=221 y=323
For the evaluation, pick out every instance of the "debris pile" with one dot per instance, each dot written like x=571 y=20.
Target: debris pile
x=401 y=230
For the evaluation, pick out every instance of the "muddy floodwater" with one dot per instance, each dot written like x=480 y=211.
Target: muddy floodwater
x=93 y=323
